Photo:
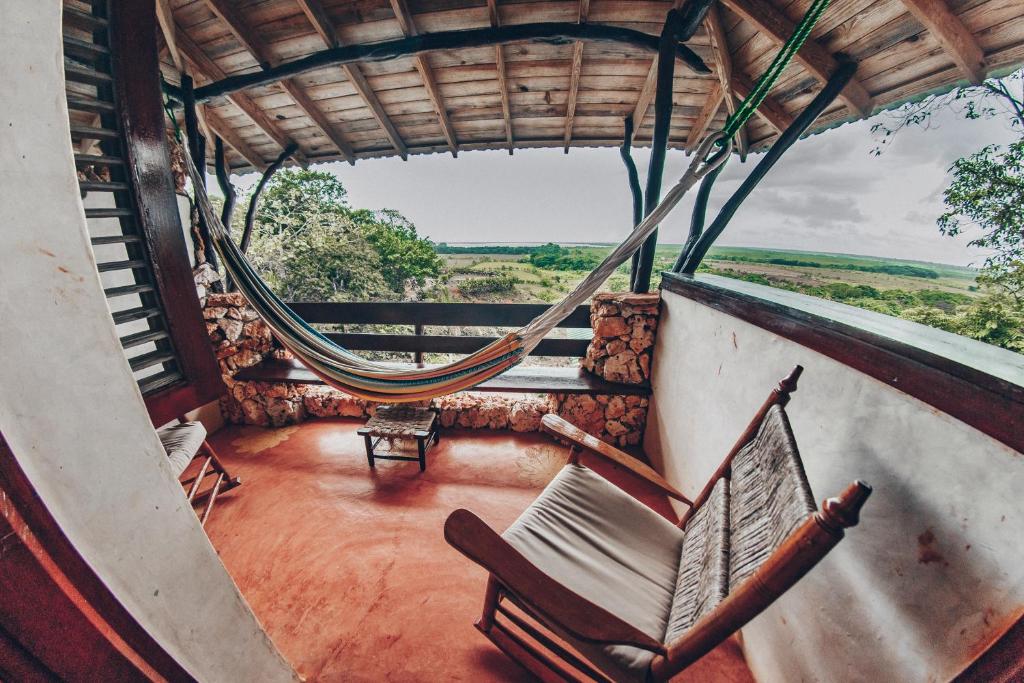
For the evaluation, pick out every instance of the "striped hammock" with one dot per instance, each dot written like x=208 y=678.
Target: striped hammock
x=394 y=383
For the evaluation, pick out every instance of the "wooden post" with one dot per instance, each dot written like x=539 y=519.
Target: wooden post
x=688 y=262
x=250 y=214
x=417 y=356
x=641 y=278
x=700 y=209
x=634 y=180
x=197 y=149
x=230 y=196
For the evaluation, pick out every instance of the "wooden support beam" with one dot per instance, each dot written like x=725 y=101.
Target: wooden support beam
x=165 y=18
x=506 y=109
x=250 y=40
x=492 y=12
x=707 y=114
x=228 y=135
x=574 y=74
x=240 y=29
x=722 y=66
x=643 y=102
x=307 y=105
x=322 y=24
x=208 y=68
x=408 y=24
x=499 y=67
x=641 y=276
x=955 y=38
x=777 y=27
x=574 y=86
x=410 y=46
x=688 y=262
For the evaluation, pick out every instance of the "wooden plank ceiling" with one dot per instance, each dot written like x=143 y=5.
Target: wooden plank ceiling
x=574 y=95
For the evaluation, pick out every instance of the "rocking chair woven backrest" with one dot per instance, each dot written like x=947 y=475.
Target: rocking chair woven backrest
x=751 y=534
x=754 y=506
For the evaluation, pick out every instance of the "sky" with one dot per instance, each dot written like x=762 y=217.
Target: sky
x=828 y=193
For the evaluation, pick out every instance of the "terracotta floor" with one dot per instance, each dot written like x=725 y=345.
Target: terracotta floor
x=346 y=566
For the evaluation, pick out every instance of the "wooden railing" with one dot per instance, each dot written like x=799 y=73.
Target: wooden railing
x=421 y=315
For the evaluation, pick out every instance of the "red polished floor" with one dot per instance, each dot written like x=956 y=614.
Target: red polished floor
x=346 y=567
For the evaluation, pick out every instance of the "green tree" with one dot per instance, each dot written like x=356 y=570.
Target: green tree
x=295 y=193
x=987 y=193
x=404 y=255
x=310 y=244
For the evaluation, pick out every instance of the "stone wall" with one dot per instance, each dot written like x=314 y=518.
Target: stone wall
x=242 y=340
x=624 y=327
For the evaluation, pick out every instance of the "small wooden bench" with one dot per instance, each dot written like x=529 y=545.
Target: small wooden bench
x=517 y=380
x=401 y=422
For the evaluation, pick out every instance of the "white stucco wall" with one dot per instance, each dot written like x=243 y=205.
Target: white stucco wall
x=69 y=408
x=936 y=568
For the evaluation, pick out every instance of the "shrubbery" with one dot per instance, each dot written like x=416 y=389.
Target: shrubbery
x=489 y=285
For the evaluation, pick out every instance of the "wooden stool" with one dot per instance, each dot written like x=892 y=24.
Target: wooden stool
x=401 y=422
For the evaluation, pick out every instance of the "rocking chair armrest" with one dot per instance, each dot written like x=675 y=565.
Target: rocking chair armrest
x=563 y=608
x=563 y=429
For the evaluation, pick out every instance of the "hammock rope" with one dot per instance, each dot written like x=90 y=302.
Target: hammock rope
x=394 y=383
x=755 y=98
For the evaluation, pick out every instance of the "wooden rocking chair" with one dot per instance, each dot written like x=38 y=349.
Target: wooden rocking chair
x=186 y=442
x=606 y=589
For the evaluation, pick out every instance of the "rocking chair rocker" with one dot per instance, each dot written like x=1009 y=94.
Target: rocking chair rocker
x=607 y=589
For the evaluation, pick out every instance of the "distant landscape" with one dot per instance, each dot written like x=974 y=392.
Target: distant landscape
x=544 y=273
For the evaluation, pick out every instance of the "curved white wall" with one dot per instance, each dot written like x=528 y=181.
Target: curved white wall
x=69 y=408
x=936 y=568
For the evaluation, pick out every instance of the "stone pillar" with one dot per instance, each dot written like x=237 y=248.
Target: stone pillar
x=624 y=327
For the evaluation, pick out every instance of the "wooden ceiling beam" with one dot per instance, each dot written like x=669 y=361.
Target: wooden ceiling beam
x=228 y=135
x=582 y=15
x=574 y=86
x=165 y=18
x=322 y=24
x=722 y=66
x=707 y=114
x=408 y=25
x=506 y=108
x=250 y=40
x=209 y=69
x=777 y=27
x=955 y=38
x=499 y=67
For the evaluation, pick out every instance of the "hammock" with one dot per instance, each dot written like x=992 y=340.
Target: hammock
x=394 y=383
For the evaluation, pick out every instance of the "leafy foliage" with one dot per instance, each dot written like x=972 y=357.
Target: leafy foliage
x=987 y=192
x=489 y=285
x=555 y=257
x=309 y=244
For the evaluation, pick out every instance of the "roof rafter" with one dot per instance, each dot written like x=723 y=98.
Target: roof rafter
x=225 y=133
x=574 y=74
x=250 y=40
x=707 y=114
x=322 y=24
x=958 y=42
x=722 y=66
x=777 y=27
x=408 y=24
x=209 y=69
x=499 y=67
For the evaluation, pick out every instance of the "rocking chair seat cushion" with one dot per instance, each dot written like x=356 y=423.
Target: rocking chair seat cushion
x=182 y=442
x=609 y=548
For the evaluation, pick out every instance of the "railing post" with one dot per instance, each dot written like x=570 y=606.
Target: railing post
x=418 y=355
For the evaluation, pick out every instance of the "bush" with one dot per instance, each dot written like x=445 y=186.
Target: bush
x=489 y=285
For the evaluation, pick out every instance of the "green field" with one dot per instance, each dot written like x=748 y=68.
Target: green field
x=476 y=273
